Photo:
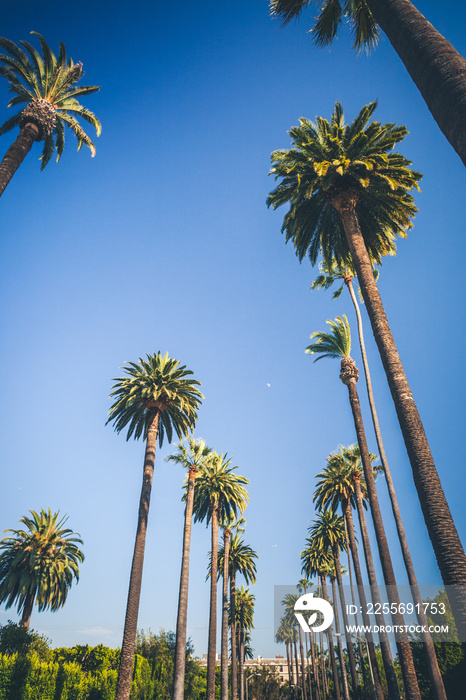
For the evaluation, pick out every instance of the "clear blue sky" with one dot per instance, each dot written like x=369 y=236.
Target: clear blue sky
x=163 y=241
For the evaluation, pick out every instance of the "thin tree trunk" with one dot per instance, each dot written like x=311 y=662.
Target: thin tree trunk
x=349 y=645
x=303 y=670
x=224 y=650
x=234 y=665
x=125 y=670
x=362 y=600
x=295 y=659
x=402 y=642
x=290 y=668
x=212 y=648
x=432 y=664
x=27 y=610
x=447 y=546
x=384 y=643
x=344 y=677
x=182 y=620
x=17 y=153
x=315 y=672
x=241 y=662
x=437 y=69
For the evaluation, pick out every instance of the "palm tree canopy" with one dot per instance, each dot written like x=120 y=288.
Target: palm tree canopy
x=157 y=383
x=329 y=274
x=49 y=87
x=41 y=560
x=331 y=14
x=335 y=482
x=328 y=531
x=218 y=486
x=315 y=561
x=336 y=344
x=331 y=158
x=191 y=455
x=245 y=602
x=240 y=560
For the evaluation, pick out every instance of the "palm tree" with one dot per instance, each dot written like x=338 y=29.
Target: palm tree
x=350 y=197
x=337 y=344
x=39 y=564
x=436 y=68
x=155 y=397
x=284 y=636
x=244 y=616
x=48 y=86
x=191 y=456
x=325 y=280
x=218 y=497
x=303 y=585
x=289 y=602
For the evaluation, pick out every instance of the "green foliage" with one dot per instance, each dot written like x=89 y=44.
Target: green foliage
x=336 y=344
x=16 y=639
x=47 y=79
x=265 y=684
x=217 y=486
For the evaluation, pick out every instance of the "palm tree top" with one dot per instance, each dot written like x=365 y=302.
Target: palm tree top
x=158 y=383
x=191 y=454
x=240 y=560
x=357 y=13
x=218 y=487
x=336 y=344
x=48 y=85
x=331 y=160
x=330 y=273
x=328 y=531
x=335 y=483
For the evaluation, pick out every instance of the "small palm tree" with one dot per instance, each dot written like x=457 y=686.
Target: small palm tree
x=38 y=565
x=218 y=497
x=48 y=86
x=190 y=456
x=337 y=344
x=156 y=397
x=244 y=620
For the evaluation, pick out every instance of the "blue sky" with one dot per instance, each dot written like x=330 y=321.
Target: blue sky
x=163 y=241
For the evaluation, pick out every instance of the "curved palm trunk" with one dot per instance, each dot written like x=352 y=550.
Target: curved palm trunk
x=349 y=645
x=402 y=643
x=344 y=677
x=212 y=648
x=27 y=610
x=362 y=599
x=125 y=670
x=181 y=623
x=17 y=153
x=234 y=665
x=224 y=650
x=432 y=663
x=384 y=643
x=447 y=546
x=436 y=68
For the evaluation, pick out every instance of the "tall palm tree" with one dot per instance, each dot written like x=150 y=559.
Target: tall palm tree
x=155 y=397
x=284 y=635
x=325 y=280
x=245 y=601
x=38 y=564
x=48 y=86
x=289 y=602
x=190 y=456
x=436 y=68
x=349 y=198
x=337 y=344
x=303 y=585
x=218 y=498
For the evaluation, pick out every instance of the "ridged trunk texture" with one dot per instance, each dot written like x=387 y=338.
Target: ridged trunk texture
x=438 y=688
x=437 y=69
x=234 y=664
x=290 y=675
x=27 y=610
x=402 y=643
x=125 y=670
x=224 y=649
x=303 y=667
x=182 y=620
x=349 y=645
x=344 y=678
x=212 y=648
x=447 y=546
x=17 y=153
x=362 y=597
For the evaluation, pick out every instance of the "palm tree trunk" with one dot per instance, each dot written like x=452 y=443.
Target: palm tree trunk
x=402 y=642
x=290 y=668
x=295 y=660
x=447 y=546
x=315 y=672
x=17 y=153
x=212 y=648
x=384 y=643
x=234 y=665
x=181 y=623
x=344 y=677
x=125 y=670
x=362 y=599
x=27 y=610
x=241 y=662
x=432 y=664
x=349 y=645
x=303 y=668
x=224 y=650
x=436 y=68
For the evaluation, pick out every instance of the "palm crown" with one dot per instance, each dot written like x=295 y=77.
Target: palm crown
x=335 y=482
x=336 y=344
x=191 y=455
x=49 y=87
x=218 y=486
x=40 y=561
x=157 y=383
x=240 y=559
x=331 y=158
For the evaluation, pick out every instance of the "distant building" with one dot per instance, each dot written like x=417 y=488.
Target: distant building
x=278 y=663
